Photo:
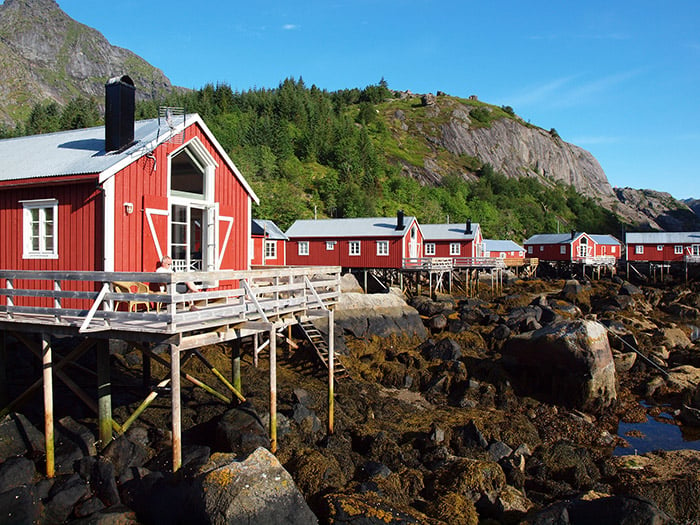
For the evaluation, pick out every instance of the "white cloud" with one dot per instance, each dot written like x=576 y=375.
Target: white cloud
x=290 y=27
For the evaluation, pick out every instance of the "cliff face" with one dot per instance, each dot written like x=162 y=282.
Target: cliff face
x=45 y=54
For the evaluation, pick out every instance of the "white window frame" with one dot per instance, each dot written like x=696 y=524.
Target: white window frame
x=529 y=249
x=455 y=248
x=562 y=249
x=354 y=248
x=678 y=249
x=659 y=247
x=270 y=249
x=45 y=251
x=330 y=246
x=303 y=248
x=541 y=248
x=639 y=249
x=613 y=249
x=695 y=250
x=429 y=248
x=383 y=248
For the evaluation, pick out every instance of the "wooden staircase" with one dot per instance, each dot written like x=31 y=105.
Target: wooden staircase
x=318 y=341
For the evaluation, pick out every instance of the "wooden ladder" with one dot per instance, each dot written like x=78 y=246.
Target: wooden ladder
x=318 y=341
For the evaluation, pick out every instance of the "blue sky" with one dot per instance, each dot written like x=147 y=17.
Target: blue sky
x=620 y=79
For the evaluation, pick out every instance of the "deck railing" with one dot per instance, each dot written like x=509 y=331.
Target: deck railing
x=479 y=262
x=597 y=260
x=692 y=259
x=90 y=300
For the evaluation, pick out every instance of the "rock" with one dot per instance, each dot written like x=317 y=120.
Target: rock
x=479 y=480
x=455 y=509
x=446 y=349
x=565 y=461
x=372 y=469
x=364 y=315
x=114 y=515
x=15 y=472
x=683 y=378
x=100 y=475
x=437 y=323
x=241 y=431
x=672 y=337
x=501 y=332
x=348 y=283
x=624 y=361
x=315 y=472
x=19 y=506
x=629 y=289
x=623 y=510
x=88 y=507
x=79 y=434
x=124 y=453
x=18 y=436
x=254 y=491
x=568 y=363
x=368 y=509
x=63 y=496
x=499 y=450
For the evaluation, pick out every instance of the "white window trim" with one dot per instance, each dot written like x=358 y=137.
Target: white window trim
x=455 y=248
x=429 y=248
x=28 y=206
x=270 y=248
x=659 y=247
x=678 y=249
x=330 y=246
x=613 y=249
x=562 y=249
x=351 y=245
x=639 y=249
x=383 y=248
x=529 y=249
x=303 y=248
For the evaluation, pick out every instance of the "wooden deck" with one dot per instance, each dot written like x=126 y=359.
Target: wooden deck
x=93 y=306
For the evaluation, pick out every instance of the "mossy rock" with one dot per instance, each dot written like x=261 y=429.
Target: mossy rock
x=455 y=509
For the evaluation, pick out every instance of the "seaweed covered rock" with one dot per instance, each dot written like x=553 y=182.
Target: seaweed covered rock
x=369 y=509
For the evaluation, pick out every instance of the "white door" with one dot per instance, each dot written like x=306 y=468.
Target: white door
x=413 y=243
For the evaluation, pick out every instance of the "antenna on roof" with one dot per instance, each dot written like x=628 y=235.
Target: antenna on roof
x=171 y=118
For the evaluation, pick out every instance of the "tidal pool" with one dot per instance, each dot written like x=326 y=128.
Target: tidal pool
x=655 y=434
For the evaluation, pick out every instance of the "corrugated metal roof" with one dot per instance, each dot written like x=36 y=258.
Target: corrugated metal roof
x=264 y=226
x=662 y=238
x=74 y=152
x=604 y=239
x=498 y=245
x=552 y=238
x=448 y=232
x=358 y=227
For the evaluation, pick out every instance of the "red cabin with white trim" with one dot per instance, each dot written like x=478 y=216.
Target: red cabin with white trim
x=354 y=243
x=574 y=247
x=453 y=240
x=118 y=197
x=503 y=249
x=663 y=246
x=268 y=244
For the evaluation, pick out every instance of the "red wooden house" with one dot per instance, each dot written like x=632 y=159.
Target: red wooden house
x=663 y=246
x=268 y=244
x=503 y=249
x=573 y=247
x=452 y=240
x=118 y=197
x=354 y=243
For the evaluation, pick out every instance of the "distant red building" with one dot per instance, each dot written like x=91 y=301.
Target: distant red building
x=354 y=243
x=573 y=247
x=663 y=246
x=503 y=249
x=269 y=244
x=452 y=240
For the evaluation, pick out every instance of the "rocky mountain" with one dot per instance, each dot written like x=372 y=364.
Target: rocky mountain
x=46 y=55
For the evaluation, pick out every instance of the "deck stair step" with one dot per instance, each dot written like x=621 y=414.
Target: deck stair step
x=319 y=342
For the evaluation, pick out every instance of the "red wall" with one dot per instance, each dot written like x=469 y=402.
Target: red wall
x=258 y=250
x=339 y=256
x=442 y=248
x=607 y=249
x=651 y=253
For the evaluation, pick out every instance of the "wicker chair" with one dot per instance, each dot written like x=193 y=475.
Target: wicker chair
x=132 y=287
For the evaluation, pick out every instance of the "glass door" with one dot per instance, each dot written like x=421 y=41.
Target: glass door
x=186 y=237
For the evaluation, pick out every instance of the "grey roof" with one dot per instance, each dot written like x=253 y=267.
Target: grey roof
x=74 y=152
x=359 y=227
x=496 y=245
x=268 y=228
x=604 y=239
x=662 y=238
x=552 y=238
x=448 y=232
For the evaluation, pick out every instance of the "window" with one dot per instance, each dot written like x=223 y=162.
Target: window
x=330 y=246
x=382 y=247
x=429 y=248
x=639 y=249
x=562 y=249
x=678 y=249
x=502 y=255
x=659 y=247
x=303 y=248
x=40 y=232
x=541 y=248
x=270 y=249
x=354 y=248
x=529 y=249
x=613 y=249
x=455 y=248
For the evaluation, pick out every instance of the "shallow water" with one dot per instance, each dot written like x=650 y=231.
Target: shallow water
x=657 y=434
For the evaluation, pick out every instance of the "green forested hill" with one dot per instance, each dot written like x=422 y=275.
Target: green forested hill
x=348 y=153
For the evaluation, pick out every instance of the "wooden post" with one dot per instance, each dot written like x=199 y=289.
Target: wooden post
x=104 y=394
x=255 y=349
x=273 y=390
x=176 y=407
x=4 y=392
x=236 y=364
x=331 y=371
x=48 y=403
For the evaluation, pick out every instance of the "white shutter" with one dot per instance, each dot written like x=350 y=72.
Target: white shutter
x=210 y=241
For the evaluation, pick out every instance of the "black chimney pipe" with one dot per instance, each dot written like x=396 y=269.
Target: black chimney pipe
x=468 y=229
x=399 y=220
x=573 y=234
x=119 y=113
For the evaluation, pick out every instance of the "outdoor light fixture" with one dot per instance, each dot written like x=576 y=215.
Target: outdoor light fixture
x=128 y=208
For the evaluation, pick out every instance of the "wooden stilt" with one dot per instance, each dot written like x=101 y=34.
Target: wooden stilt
x=273 y=390
x=176 y=406
x=331 y=371
x=256 y=340
x=48 y=403
x=104 y=394
x=236 y=364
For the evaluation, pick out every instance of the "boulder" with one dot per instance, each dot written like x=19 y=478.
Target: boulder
x=19 y=505
x=18 y=436
x=567 y=363
x=15 y=472
x=368 y=509
x=446 y=349
x=624 y=510
x=255 y=491
x=383 y=315
x=240 y=430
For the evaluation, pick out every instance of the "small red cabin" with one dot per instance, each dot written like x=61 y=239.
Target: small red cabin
x=354 y=243
x=269 y=244
x=121 y=196
x=573 y=247
x=452 y=240
x=663 y=246
x=503 y=249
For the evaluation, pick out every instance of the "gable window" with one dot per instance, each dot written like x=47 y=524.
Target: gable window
x=455 y=248
x=330 y=246
x=678 y=249
x=639 y=249
x=303 y=248
x=659 y=247
x=382 y=247
x=270 y=249
x=429 y=248
x=354 y=248
x=40 y=229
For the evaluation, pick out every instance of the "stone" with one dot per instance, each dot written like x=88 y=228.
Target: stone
x=501 y=332
x=114 y=515
x=18 y=436
x=623 y=509
x=372 y=469
x=88 y=507
x=499 y=450
x=124 y=453
x=15 y=472
x=367 y=508
x=629 y=289
x=673 y=337
x=567 y=363
x=624 y=361
x=19 y=506
x=100 y=475
x=79 y=434
x=65 y=493
x=255 y=491
x=437 y=323
x=240 y=430
x=446 y=349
